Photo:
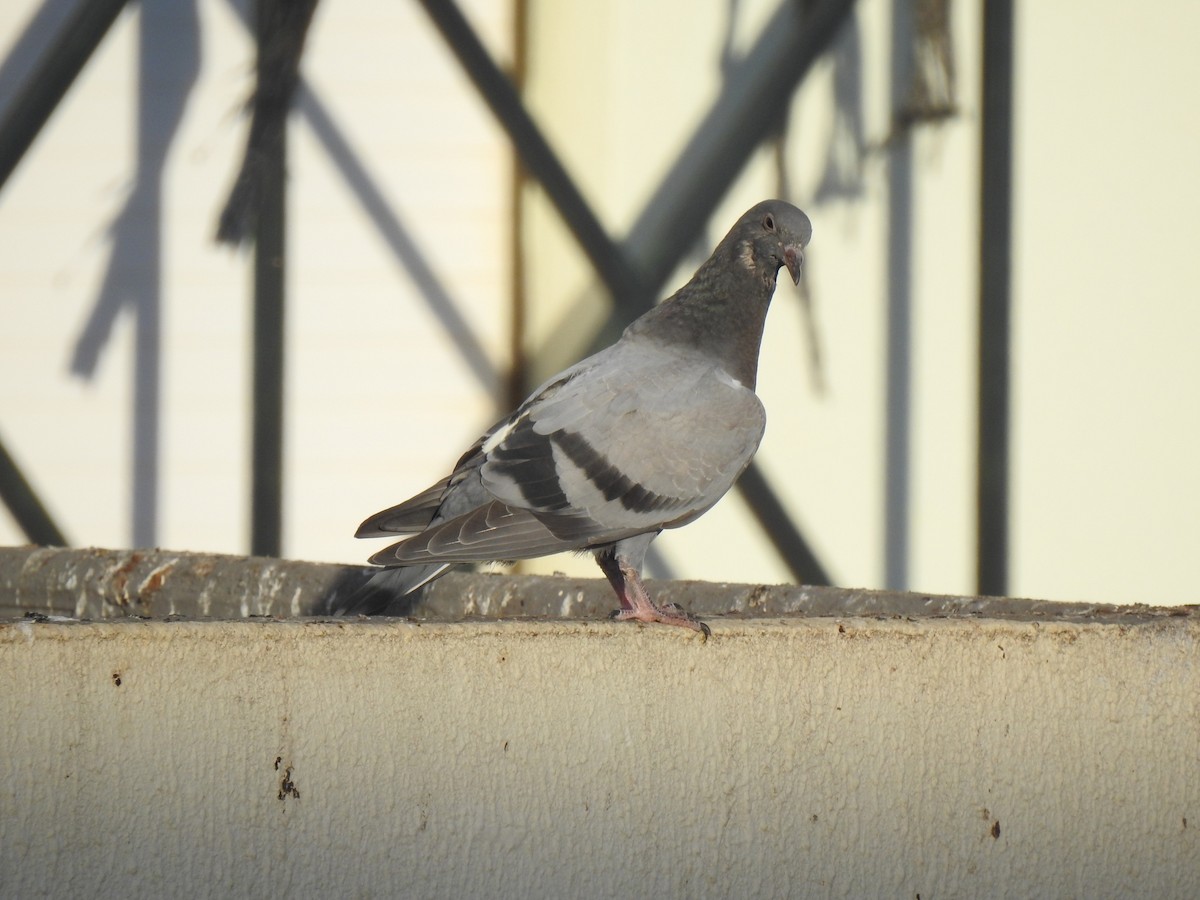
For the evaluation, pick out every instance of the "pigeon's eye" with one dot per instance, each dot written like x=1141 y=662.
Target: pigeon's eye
x=769 y=222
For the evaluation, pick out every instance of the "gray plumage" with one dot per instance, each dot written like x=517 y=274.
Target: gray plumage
x=647 y=434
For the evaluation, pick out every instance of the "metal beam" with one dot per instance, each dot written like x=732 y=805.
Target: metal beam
x=61 y=63
x=24 y=504
x=995 y=256
x=898 y=371
x=266 y=511
x=779 y=528
x=752 y=102
x=535 y=152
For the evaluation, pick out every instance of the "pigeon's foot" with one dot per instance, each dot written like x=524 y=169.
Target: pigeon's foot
x=663 y=616
x=636 y=605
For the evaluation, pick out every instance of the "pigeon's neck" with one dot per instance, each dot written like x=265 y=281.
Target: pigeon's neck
x=720 y=313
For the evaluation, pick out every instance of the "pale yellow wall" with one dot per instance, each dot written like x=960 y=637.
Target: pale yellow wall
x=1108 y=310
x=1106 y=419
x=378 y=398
x=1105 y=427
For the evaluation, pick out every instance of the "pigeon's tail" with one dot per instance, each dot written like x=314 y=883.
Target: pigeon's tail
x=388 y=591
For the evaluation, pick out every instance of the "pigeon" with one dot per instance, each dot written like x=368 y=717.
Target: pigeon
x=647 y=434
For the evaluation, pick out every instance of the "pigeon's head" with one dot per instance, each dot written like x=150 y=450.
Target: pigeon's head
x=772 y=235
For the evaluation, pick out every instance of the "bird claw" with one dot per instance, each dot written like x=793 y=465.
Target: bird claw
x=673 y=614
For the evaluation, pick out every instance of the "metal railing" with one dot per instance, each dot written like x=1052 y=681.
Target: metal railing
x=749 y=107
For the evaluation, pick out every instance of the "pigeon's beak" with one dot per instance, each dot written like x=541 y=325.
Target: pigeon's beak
x=793 y=258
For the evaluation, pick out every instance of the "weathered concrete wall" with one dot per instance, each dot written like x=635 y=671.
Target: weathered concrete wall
x=837 y=756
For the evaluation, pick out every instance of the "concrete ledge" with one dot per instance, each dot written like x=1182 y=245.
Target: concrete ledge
x=101 y=584
x=842 y=756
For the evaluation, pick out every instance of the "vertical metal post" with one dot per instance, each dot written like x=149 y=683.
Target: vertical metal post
x=267 y=464
x=899 y=312
x=145 y=231
x=995 y=251
x=518 y=372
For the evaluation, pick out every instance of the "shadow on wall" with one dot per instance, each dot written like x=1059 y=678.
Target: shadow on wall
x=169 y=55
x=168 y=68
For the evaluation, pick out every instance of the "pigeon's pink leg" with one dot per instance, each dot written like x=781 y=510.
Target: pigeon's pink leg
x=636 y=604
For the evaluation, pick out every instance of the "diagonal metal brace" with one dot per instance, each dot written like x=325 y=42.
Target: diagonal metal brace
x=60 y=64
x=751 y=103
x=25 y=506
x=531 y=145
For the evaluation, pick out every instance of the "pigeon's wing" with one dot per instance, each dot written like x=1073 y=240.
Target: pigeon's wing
x=458 y=518
x=646 y=441
x=491 y=532
x=457 y=494
x=413 y=515
x=627 y=442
